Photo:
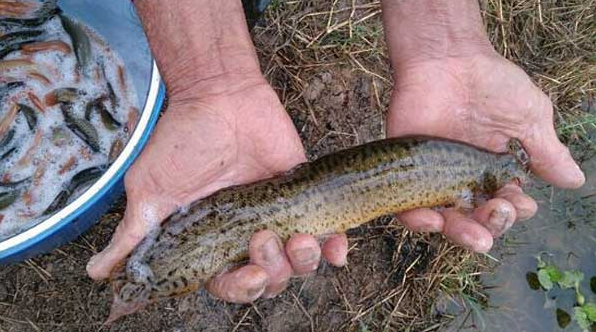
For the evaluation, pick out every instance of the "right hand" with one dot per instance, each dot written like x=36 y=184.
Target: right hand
x=238 y=136
x=485 y=100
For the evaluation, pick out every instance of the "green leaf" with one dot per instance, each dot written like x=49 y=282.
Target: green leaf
x=541 y=263
x=563 y=318
x=544 y=279
x=554 y=273
x=581 y=299
x=590 y=310
x=571 y=279
x=593 y=284
x=580 y=316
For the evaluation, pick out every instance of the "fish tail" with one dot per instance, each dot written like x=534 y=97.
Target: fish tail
x=129 y=297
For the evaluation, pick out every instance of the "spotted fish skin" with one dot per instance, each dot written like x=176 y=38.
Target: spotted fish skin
x=332 y=194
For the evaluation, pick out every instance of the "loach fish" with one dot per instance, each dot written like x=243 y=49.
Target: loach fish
x=332 y=194
x=46 y=11
x=80 y=41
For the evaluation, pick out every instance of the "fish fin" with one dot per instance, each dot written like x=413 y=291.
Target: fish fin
x=464 y=204
x=128 y=297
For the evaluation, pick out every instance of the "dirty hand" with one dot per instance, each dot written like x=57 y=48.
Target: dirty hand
x=483 y=100
x=200 y=146
x=450 y=82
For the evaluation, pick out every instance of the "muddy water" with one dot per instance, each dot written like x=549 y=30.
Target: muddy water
x=565 y=228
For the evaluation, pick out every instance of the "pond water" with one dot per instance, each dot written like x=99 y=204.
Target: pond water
x=564 y=230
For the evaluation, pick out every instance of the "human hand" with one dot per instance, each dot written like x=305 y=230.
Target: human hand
x=484 y=100
x=201 y=145
x=450 y=82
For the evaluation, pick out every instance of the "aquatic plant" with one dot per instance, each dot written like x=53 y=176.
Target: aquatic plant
x=549 y=276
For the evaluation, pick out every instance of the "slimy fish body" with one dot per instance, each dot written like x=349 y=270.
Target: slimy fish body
x=337 y=192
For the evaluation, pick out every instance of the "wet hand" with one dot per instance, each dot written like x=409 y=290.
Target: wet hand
x=237 y=136
x=484 y=100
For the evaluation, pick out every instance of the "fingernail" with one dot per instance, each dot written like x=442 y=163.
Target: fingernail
x=256 y=291
x=306 y=256
x=271 y=251
x=480 y=245
x=499 y=220
x=100 y=255
x=483 y=245
x=579 y=176
x=524 y=213
x=342 y=262
x=575 y=176
x=429 y=228
x=93 y=261
x=467 y=241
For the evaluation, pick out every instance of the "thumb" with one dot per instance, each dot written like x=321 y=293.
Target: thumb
x=551 y=160
x=139 y=219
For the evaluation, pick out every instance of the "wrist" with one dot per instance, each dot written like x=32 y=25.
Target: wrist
x=186 y=84
x=202 y=47
x=422 y=30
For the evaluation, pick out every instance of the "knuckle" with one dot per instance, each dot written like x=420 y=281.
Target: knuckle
x=543 y=109
x=546 y=102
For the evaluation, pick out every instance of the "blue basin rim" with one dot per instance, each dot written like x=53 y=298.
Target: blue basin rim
x=90 y=211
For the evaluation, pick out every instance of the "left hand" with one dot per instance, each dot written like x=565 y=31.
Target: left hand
x=484 y=100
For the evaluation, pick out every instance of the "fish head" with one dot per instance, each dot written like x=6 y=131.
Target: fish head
x=510 y=169
x=516 y=164
x=513 y=166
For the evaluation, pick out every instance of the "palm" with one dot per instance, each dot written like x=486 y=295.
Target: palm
x=198 y=147
x=483 y=101
x=203 y=146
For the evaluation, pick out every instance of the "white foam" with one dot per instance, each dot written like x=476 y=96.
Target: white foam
x=136 y=266
x=184 y=210
x=150 y=215
x=60 y=69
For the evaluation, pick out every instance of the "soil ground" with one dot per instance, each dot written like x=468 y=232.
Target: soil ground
x=53 y=293
x=328 y=63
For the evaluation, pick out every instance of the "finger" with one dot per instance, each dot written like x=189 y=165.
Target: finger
x=335 y=249
x=243 y=285
x=422 y=220
x=137 y=222
x=466 y=232
x=496 y=215
x=525 y=206
x=266 y=250
x=551 y=160
x=304 y=253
